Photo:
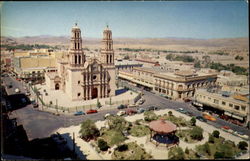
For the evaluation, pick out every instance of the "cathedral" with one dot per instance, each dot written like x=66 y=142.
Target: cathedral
x=83 y=79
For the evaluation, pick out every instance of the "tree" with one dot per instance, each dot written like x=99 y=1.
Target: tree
x=176 y=153
x=207 y=148
x=242 y=145
x=170 y=113
x=197 y=64
x=98 y=104
x=149 y=116
x=103 y=145
x=88 y=130
x=211 y=139
x=193 y=121
x=218 y=155
x=196 y=133
x=216 y=133
x=187 y=150
x=117 y=123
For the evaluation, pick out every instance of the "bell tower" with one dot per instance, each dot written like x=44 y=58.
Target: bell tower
x=107 y=52
x=76 y=54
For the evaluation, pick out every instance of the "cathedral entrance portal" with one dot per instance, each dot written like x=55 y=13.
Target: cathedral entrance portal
x=94 y=93
x=57 y=86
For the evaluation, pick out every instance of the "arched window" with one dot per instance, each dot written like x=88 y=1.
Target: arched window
x=79 y=59
x=107 y=59
x=110 y=58
x=75 y=45
x=75 y=59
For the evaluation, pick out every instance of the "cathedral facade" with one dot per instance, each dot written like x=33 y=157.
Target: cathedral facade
x=83 y=79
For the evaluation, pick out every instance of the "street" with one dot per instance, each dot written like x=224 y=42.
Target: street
x=40 y=124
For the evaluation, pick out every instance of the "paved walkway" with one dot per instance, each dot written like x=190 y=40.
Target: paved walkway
x=58 y=97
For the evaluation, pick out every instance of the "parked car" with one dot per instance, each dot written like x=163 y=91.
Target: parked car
x=91 y=111
x=151 y=108
x=107 y=115
x=208 y=116
x=190 y=113
x=141 y=101
x=186 y=99
x=182 y=110
x=201 y=119
x=130 y=111
x=225 y=127
x=140 y=110
x=199 y=108
x=79 y=113
x=120 y=113
x=122 y=106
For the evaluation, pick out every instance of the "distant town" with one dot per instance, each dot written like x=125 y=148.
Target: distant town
x=124 y=99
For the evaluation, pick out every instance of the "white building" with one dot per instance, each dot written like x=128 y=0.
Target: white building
x=83 y=79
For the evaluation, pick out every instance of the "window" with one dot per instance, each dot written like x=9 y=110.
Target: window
x=223 y=103
x=236 y=107
x=209 y=98
x=156 y=88
x=230 y=105
x=204 y=97
x=78 y=94
x=216 y=101
x=78 y=82
x=243 y=108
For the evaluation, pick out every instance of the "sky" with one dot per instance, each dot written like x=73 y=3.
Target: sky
x=183 y=19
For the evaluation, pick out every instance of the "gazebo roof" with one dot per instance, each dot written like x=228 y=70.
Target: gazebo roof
x=162 y=126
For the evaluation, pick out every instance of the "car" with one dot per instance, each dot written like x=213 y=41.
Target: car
x=79 y=113
x=199 y=108
x=91 y=111
x=190 y=113
x=186 y=99
x=140 y=110
x=201 y=119
x=107 y=115
x=130 y=111
x=120 y=113
x=225 y=127
x=141 y=101
x=182 y=110
x=122 y=106
x=239 y=133
x=151 y=108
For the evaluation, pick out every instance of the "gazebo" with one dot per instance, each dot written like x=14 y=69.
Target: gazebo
x=163 y=131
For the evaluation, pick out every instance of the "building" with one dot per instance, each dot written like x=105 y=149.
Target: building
x=175 y=85
x=31 y=65
x=83 y=79
x=232 y=104
x=126 y=65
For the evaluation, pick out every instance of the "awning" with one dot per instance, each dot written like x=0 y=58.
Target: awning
x=238 y=117
x=198 y=104
x=233 y=115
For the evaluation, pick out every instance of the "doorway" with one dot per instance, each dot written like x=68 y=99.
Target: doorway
x=94 y=93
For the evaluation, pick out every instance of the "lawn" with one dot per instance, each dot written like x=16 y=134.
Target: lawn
x=178 y=121
x=132 y=152
x=224 y=149
x=139 y=130
x=113 y=137
x=185 y=136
